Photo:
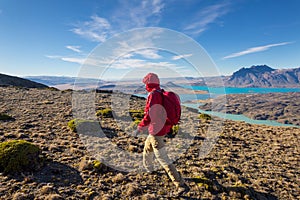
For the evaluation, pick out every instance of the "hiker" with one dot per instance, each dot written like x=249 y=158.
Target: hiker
x=155 y=122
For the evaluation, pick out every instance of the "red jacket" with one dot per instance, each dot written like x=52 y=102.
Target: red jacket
x=155 y=115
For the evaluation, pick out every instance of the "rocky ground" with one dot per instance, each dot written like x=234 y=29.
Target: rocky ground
x=281 y=107
x=245 y=162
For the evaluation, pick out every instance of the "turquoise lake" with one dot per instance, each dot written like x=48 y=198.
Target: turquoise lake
x=239 y=117
x=213 y=92
x=232 y=90
x=216 y=91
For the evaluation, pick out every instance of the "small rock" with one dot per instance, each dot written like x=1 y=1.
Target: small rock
x=54 y=197
x=118 y=178
x=132 y=189
x=46 y=189
x=85 y=164
x=21 y=196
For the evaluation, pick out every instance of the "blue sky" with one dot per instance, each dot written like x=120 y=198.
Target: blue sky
x=54 y=37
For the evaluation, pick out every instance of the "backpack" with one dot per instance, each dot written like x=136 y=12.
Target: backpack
x=171 y=103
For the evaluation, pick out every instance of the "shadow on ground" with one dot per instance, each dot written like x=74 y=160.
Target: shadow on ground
x=57 y=173
x=210 y=183
x=51 y=172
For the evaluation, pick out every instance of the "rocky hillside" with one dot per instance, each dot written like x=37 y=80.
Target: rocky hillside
x=264 y=76
x=6 y=80
x=246 y=162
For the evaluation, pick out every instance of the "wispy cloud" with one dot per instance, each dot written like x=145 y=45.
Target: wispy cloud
x=140 y=64
x=178 y=57
x=124 y=63
x=138 y=43
x=130 y=14
x=256 y=49
x=149 y=53
x=207 y=16
x=74 y=48
x=98 y=29
x=68 y=59
x=53 y=57
x=124 y=47
x=138 y=13
x=73 y=60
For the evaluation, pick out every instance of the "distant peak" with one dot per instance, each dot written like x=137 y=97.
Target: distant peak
x=262 y=68
x=264 y=76
x=254 y=69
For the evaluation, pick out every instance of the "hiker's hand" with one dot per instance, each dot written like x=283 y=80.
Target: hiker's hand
x=135 y=133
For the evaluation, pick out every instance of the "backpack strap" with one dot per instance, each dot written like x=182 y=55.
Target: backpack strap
x=161 y=91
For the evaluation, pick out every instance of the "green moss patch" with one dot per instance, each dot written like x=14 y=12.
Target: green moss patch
x=204 y=182
x=106 y=113
x=136 y=114
x=204 y=116
x=82 y=125
x=18 y=156
x=99 y=167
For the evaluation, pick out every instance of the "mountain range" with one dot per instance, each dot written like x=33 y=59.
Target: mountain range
x=254 y=76
x=264 y=76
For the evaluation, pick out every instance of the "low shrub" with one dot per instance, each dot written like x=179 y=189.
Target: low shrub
x=83 y=125
x=204 y=116
x=204 y=182
x=18 y=156
x=5 y=117
x=136 y=114
x=106 y=113
x=66 y=91
x=133 y=126
x=174 y=131
x=52 y=89
x=100 y=167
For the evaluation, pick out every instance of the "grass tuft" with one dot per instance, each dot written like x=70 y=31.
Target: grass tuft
x=83 y=125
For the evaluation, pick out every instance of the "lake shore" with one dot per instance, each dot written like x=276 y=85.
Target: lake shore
x=281 y=107
x=246 y=162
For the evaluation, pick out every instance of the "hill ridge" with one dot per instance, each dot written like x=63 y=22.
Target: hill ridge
x=7 y=80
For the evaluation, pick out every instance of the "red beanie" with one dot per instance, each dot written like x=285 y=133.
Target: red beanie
x=151 y=78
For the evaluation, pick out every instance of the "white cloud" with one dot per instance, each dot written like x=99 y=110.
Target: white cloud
x=148 y=53
x=138 y=43
x=53 y=57
x=148 y=9
x=207 y=16
x=128 y=63
x=178 y=57
x=130 y=14
x=74 y=48
x=255 y=49
x=98 y=29
x=68 y=59
x=73 y=60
